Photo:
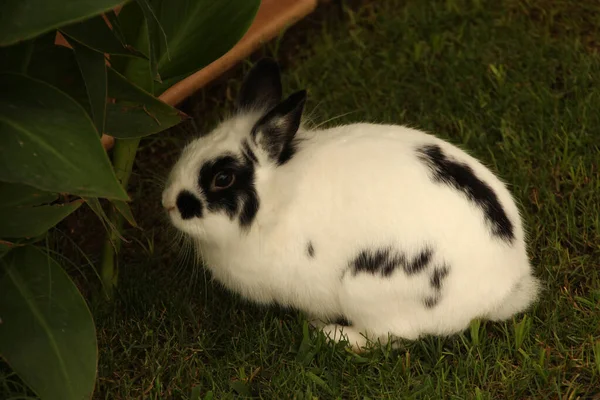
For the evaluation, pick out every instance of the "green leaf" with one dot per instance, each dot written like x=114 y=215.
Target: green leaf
x=93 y=69
x=156 y=36
x=25 y=19
x=27 y=212
x=95 y=205
x=195 y=395
x=18 y=194
x=116 y=26
x=124 y=209
x=48 y=141
x=134 y=29
x=47 y=333
x=63 y=72
x=131 y=21
x=137 y=113
x=241 y=388
x=319 y=381
x=5 y=247
x=96 y=34
x=198 y=32
x=30 y=221
x=20 y=197
x=16 y=58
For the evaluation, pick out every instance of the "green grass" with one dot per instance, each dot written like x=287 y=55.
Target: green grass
x=515 y=83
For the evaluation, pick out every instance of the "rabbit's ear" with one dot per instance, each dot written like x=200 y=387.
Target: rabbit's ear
x=275 y=131
x=261 y=87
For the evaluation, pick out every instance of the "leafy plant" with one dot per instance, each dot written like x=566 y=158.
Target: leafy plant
x=56 y=102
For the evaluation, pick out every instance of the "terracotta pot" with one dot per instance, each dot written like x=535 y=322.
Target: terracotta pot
x=272 y=17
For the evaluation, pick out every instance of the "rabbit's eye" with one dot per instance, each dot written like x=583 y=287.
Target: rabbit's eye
x=222 y=180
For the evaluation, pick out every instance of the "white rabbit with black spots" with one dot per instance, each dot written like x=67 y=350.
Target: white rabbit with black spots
x=398 y=232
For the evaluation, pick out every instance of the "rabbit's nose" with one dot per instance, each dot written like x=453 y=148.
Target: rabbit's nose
x=164 y=201
x=167 y=205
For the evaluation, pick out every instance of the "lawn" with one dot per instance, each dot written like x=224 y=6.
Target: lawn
x=514 y=83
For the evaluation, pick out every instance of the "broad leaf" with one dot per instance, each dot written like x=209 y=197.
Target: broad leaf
x=63 y=72
x=116 y=26
x=96 y=34
x=156 y=35
x=131 y=20
x=48 y=141
x=133 y=121
x=136 y=113
x=5 y=247
x=134 y=30
x=93 y=69
x=16 y=58
x=31 y=221
x=17 y=194
x=124 y=209
x=25 y=19
x=198 y=32
x=47 y=333
x=95 y=205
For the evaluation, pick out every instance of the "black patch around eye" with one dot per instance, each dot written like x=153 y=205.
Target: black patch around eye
x=188 y=205
x=310 y=249
x=438 y=276
x=248 y=152
x=461 y=177
x=240 y=199
x=249 y=210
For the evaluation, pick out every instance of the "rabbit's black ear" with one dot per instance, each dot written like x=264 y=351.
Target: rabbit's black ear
x=261 y=88
x=276 y=130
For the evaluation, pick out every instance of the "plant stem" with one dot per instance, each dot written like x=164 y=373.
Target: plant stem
x=124 y=151
x=123 y=159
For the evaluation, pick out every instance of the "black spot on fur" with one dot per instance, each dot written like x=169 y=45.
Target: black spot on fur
x=418 y=263
x=436 y=281
x=240 y=198
x=379 y=261
x=310 y=249
x=461 y=177
x=384 y=261
x=188 y=205
x=437 y=277
x=431 y=301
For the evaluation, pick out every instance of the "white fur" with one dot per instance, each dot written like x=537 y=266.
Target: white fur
x=347 y=189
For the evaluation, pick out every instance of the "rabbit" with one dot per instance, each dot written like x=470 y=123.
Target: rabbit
x=388 y=227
